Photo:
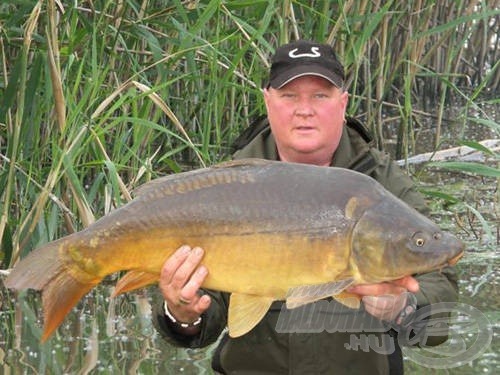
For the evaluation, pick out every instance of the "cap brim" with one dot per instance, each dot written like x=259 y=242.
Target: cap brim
x=305 y=70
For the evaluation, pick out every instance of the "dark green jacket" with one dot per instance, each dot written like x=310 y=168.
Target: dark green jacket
x=264 y=351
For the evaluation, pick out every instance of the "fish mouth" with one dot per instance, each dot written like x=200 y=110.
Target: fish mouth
x=450 y=262
x=456 y=258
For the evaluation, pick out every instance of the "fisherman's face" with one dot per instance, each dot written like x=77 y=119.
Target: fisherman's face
x=306 y=117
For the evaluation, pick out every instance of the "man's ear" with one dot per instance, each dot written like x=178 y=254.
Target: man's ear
x=344 y=97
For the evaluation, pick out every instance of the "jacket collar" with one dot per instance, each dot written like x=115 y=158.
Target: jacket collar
x=351 y=150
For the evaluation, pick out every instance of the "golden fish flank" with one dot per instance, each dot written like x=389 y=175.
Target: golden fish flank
x=311 y=231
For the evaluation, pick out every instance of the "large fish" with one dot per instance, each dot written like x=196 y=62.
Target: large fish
x=270 y=230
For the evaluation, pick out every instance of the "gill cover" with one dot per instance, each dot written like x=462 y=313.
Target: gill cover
x=391 y=240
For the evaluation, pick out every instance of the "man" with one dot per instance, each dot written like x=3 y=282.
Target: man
x=306 y=103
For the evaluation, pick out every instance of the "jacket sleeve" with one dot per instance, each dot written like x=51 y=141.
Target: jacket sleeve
x=437 y=286
x=213 y=322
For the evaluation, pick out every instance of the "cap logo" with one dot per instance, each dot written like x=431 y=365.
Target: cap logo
x=314 y=53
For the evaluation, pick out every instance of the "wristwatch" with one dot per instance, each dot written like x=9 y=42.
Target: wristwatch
x=407 y=314
x=171 y=318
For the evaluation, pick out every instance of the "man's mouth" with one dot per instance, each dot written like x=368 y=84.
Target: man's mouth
x=304 y=128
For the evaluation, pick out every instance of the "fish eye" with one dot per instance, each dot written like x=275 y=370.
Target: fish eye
x=419 y=242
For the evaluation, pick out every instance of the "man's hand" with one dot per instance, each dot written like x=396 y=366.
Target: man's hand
x=180 y=280
x=386 y=300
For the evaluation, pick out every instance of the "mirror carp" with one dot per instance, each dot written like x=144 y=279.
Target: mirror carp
x=270 y=230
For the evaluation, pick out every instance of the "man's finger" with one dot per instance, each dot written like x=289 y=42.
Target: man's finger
x=183 y=273
x=203 y=304
x=190 y=289
x=173 y=263
x=409 y=283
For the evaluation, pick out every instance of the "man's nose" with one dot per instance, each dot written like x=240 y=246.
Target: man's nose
x=304 y=108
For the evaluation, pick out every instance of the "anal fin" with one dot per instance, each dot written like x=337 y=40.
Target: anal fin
x=133 y=280
x=245 y=312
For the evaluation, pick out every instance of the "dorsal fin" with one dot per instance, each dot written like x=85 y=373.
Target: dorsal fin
x=175 y=178
x=243 y=162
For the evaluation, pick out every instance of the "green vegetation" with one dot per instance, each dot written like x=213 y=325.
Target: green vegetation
x=97 y=97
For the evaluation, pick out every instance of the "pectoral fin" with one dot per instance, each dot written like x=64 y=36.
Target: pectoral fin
x=245 y=312
x=350 y=300
x=305 y=294
x=133 y=280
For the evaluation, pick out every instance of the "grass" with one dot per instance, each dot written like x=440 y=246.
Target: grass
x=99 y=97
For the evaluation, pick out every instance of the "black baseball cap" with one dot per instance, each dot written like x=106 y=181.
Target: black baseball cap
x=301 y=58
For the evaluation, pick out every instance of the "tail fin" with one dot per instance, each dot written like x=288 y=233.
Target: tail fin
x=43 y=269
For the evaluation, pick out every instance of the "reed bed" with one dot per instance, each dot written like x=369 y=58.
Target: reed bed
x=97 y=97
